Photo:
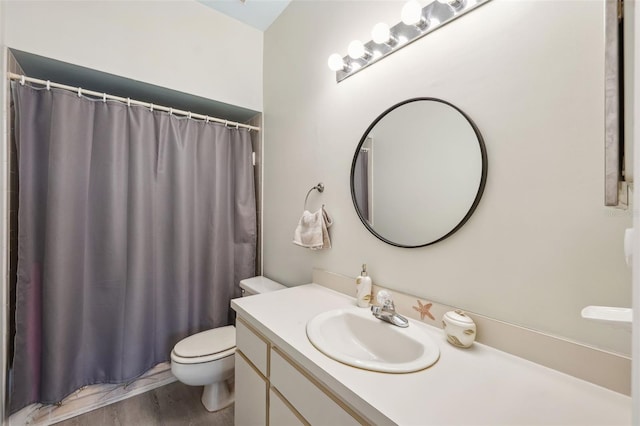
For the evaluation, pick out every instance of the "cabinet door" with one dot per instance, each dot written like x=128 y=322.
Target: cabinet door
x=251 y=394
x=280 y=414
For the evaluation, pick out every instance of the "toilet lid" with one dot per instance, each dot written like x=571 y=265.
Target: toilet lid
x=207 y=342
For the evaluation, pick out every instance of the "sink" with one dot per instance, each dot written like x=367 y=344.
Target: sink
x=355 y=337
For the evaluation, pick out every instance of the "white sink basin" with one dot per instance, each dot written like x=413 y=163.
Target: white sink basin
x=355 y=337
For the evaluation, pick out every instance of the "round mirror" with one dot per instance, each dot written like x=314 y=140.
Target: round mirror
x=418 y=172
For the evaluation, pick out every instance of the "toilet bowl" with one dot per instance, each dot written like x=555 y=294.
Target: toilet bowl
x=207 y=358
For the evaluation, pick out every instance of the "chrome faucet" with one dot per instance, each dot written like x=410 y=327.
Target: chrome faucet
x=387 y=312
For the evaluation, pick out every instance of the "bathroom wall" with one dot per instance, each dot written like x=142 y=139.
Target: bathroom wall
x=540 y=245
x=182 y=45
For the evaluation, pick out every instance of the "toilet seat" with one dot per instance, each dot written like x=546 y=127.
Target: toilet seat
x=202 y=359
x=205 y=346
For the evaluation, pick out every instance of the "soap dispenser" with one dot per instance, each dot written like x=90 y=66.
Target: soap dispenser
x=363 y=288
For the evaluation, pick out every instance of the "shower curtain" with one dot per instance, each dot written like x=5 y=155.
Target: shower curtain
x=135 y=228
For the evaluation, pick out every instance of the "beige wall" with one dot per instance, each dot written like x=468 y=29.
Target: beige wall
x=182 y=45
x=541 y=245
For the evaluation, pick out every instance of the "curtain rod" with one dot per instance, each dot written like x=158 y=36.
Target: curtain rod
x=80 y=91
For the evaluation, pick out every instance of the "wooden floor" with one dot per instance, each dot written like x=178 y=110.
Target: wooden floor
x=174 y=404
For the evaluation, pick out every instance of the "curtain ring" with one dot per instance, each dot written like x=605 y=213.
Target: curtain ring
x=225 y=123
x=104 y=98
x=189 y=115
x=207 y=119
x=22 y=80
x=128 y=102
x=151 y=107
x=237 y=126
x=48 y=85
x=79 y=92
x=170 y=111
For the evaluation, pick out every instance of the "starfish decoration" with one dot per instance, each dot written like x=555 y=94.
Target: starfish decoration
x=424 y=310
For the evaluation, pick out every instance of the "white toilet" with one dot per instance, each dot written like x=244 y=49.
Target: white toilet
x=207 y=358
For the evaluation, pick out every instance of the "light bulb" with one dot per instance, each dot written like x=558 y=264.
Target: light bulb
x=381 y=33
x=453 y=3
x=411 y=13
x=335 y=62
x=356 y=49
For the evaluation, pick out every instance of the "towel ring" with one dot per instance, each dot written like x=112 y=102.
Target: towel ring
x=319 y=187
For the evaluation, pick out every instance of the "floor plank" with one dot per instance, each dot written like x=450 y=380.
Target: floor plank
x=173 y=405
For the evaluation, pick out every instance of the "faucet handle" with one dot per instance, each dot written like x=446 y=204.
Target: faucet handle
x=385 y=299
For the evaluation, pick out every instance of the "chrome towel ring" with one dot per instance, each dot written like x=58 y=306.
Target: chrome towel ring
x=319 y=187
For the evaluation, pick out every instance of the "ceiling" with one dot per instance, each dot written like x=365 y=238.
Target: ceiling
x=259 y=14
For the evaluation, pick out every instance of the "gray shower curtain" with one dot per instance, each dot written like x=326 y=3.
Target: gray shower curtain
x=135 y=228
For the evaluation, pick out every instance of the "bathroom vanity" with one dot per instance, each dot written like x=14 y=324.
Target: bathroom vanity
x=282 y=379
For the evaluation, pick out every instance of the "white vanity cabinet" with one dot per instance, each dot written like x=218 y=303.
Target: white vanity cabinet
x=250 y=392
x=251 y=383
x=300 y=385
x=271 y=390
x=316 y=405
x=280 y=413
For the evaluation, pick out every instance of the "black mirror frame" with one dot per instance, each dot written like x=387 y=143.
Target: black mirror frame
x=476 y=201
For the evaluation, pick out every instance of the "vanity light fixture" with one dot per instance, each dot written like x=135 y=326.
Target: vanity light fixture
x=417 y=21
x=454 y=4
x=356 y=50
x=412 y=14
x=381 y=34
x=336 y=63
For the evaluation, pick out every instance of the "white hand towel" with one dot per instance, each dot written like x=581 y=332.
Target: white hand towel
x=327 y=221
x=312 y=230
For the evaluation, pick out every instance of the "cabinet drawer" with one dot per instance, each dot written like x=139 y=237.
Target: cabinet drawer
x=310 y=401
x=252 y=346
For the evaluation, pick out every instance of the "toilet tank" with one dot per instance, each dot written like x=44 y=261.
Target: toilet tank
x=258 y=285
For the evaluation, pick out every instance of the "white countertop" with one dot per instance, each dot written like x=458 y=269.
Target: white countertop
x=476 y=386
